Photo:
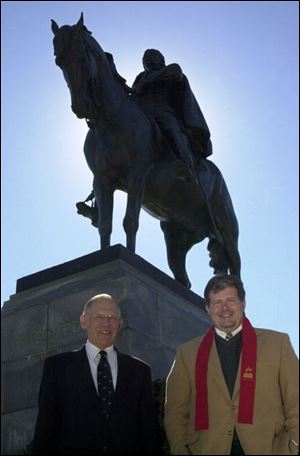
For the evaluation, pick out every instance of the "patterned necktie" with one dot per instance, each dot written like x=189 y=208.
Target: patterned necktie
x=105 y=384
x=228 y=336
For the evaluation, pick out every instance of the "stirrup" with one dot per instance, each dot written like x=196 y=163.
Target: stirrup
x=87 y=211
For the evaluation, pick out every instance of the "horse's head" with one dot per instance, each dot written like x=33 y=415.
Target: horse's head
x=77 y=61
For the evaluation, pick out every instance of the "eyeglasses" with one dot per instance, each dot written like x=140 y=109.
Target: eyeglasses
x=109 y=318
x=229 y=302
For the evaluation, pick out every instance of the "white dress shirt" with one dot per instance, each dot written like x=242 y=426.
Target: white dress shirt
x=94 y=357
x=223 y=333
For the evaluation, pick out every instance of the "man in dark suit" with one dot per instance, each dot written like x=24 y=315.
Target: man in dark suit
x=96 y=400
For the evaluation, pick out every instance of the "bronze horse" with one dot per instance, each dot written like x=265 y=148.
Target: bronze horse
x=124 y=152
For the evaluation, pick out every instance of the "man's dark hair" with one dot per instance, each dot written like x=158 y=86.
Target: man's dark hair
x=221 y=281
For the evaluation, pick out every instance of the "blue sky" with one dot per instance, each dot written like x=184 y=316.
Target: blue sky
x=241 y=59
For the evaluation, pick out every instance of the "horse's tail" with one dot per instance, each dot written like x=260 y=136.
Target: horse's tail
x=225 y=230
x=205 y=197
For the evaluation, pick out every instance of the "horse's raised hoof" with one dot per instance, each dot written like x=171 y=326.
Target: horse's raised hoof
x=184 y=281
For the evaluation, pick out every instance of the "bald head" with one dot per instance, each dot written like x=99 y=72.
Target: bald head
x=103 y=297
x=101 y=319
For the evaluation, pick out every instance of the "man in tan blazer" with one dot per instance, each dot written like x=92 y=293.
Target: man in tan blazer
x=234 y=390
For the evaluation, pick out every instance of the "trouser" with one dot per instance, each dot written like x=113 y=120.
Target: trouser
x=177 y=139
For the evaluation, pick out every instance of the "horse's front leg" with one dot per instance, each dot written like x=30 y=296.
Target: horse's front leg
x=135 y=194
x=178 y=241
x=104 y=198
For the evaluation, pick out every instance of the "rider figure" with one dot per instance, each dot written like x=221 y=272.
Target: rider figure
x=163 y=91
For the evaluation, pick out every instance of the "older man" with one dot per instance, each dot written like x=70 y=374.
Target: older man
x=96 y=400
x=235 y=390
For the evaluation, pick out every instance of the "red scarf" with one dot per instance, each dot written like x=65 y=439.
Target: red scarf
x=247 y=382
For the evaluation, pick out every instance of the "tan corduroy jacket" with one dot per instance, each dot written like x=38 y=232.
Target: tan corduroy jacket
x=275 y=422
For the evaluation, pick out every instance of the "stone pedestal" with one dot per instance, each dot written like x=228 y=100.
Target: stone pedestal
x=42 y=318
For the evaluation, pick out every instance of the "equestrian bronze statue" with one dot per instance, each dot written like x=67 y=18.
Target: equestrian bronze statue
x=146 y=150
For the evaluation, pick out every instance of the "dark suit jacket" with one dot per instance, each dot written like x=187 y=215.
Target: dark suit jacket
x=70 y=421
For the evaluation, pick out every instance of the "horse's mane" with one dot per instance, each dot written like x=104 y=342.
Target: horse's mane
x=97 y=50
